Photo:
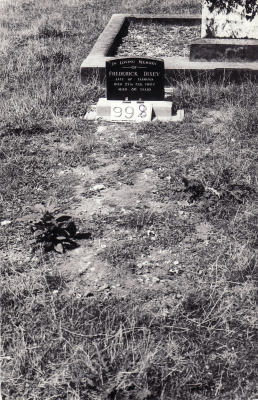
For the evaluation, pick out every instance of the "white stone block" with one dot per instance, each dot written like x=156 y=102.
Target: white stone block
x=162 y=110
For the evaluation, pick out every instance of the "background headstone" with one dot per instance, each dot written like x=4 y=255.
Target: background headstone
x=230 y=19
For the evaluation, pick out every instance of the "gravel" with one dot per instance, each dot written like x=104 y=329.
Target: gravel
x=158 y=40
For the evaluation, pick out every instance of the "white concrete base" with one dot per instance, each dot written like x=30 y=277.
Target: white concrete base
x=219 y=24
x=160 y=108
x=162 y=111
x=179 y=117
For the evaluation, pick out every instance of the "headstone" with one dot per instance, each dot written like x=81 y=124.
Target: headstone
x=135 y=92
x=135 y=78
x=237 y=19
x=229 y=32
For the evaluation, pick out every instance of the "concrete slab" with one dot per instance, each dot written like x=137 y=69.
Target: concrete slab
x=224 y=50
x=175 y=67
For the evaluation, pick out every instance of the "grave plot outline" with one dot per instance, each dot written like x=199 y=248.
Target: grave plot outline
x=175 y=67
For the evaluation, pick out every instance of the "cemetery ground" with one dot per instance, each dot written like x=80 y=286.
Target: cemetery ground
x=159 y=299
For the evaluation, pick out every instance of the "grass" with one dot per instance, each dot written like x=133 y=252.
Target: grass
x=177 y=318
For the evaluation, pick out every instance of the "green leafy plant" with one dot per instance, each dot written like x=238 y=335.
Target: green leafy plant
x=53 y=232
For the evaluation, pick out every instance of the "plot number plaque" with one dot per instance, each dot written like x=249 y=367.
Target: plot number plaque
x=131 y=111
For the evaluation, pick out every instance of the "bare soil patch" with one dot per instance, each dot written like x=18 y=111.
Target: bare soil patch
x=146 y=231
x=172 y=258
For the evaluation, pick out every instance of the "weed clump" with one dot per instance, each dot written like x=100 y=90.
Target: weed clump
x=48 y=31
x=56 y=59
x=52 y=232
x=245 y=122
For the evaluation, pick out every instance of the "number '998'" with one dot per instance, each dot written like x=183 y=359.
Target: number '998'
x=129 y=111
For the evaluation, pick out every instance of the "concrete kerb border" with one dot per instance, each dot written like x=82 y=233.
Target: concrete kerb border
x=175 y=67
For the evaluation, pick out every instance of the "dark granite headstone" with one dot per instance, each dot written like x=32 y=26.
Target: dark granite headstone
x=135 y=78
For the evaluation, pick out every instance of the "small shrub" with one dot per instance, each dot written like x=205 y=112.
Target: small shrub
x=53 y=232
